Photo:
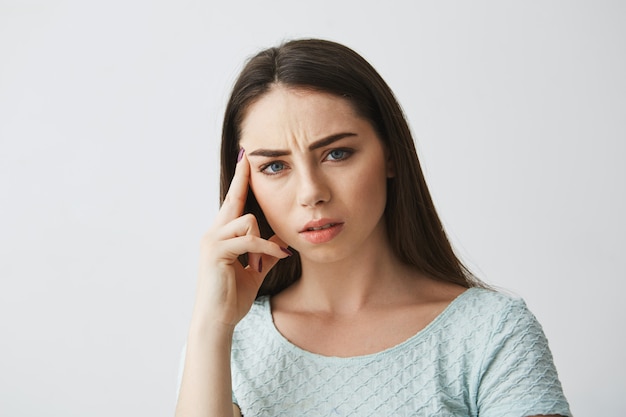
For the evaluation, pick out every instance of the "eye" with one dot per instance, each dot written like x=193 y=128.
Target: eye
x=273 y=168
x=338 y=154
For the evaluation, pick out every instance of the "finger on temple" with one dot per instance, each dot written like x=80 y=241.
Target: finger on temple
x=235 y=199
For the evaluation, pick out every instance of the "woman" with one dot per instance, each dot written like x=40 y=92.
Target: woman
x=327 y=285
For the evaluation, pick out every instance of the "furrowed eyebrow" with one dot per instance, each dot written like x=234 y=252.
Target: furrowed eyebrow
x=272 y=153
x=329 y=140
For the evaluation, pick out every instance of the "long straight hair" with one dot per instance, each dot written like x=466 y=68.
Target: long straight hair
x=414 y=229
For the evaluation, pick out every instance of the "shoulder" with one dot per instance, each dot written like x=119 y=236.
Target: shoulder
x=485 y=317
x=493 y=298
x=516 y=372
x=509 y=335
x=484 y=303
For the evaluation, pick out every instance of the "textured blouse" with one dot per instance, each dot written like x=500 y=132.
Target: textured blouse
x=484 y=355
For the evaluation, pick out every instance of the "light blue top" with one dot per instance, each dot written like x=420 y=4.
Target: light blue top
x=485 y=355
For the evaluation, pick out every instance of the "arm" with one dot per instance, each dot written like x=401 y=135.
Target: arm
x=224 y=294
x=205 y=388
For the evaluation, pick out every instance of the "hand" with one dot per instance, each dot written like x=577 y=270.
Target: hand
x=226 y=289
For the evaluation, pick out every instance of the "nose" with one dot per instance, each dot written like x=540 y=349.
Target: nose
x=312 y=189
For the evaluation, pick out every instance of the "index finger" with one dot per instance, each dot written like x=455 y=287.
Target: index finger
x=235 y=198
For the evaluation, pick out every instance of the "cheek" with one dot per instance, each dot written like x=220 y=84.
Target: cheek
x=372 y=192
x=370 y=183
x=272 y=203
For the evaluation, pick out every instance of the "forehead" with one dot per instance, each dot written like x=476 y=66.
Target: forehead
x=297 y=113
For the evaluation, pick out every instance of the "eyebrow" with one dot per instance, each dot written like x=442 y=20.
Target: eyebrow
x=271 y=153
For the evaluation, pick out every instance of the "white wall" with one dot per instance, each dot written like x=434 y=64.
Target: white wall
x=109 y=124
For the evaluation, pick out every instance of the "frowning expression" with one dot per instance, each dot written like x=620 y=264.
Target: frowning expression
x=318 y=171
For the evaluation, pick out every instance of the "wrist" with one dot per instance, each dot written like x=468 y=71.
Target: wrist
x=205 y=328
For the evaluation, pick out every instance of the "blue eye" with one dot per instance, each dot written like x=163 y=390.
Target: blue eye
x=338 y=154
x=273 y=168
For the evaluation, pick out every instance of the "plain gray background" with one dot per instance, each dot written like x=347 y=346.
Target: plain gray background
x=110 y=116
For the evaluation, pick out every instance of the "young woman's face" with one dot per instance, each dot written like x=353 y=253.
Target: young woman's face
x=318 y=171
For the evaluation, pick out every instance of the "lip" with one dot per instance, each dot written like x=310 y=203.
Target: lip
x=321 y=230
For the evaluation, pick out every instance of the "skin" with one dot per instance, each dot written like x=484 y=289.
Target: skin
x=224 y=294
x=313 y=158
x=307 y=157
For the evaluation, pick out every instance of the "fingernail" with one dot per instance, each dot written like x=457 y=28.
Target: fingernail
x=260 y=265
x=287 y=251
x=240 y=155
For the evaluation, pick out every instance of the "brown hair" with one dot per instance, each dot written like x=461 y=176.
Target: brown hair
x=415 y=232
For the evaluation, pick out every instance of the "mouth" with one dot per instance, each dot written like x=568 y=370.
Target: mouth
x=321 y=231
x=326 y=226
x=320 y=224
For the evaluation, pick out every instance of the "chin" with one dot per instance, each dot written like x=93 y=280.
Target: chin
x=322 y=255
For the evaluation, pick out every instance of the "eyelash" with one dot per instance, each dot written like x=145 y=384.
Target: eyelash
x=263 y=169
x=346 y=153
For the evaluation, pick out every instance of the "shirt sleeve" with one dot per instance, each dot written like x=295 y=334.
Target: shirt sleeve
x=518 y=376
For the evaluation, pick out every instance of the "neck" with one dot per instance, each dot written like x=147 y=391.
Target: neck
x=373 y=278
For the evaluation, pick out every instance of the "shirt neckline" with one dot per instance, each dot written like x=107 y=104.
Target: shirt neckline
x=268 y=319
